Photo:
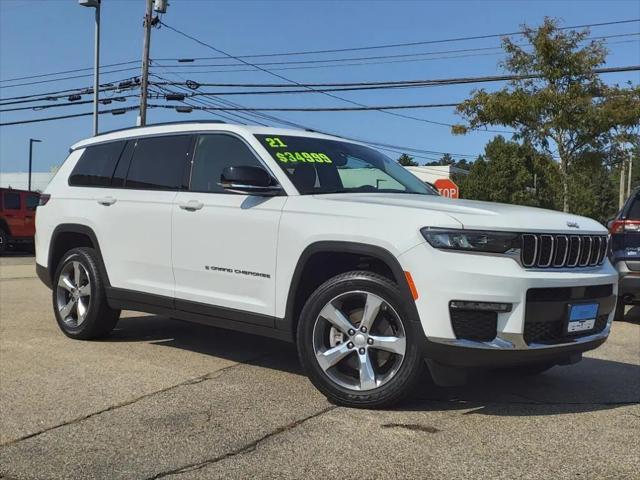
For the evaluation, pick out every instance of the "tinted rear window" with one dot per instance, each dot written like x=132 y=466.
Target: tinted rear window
x=634 y=211
x=11 y=201
x=159 y=163
x=95 y=167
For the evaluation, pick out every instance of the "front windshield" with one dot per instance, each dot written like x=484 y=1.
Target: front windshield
x=316 y=166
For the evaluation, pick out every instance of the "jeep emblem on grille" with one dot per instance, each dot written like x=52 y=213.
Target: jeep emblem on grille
x=573 y=225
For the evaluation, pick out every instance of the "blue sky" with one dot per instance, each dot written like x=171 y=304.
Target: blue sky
x=42 y=36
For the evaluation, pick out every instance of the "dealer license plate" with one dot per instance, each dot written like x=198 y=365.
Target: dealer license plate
x=582 y=317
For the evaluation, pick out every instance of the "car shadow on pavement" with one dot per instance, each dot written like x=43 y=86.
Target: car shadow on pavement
x=591 y=385
x=633 y=315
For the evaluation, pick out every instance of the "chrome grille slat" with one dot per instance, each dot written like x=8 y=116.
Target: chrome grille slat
x=562 y=251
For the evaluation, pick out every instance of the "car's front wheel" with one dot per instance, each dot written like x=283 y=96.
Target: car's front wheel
x=79 y=301
x=357 y=343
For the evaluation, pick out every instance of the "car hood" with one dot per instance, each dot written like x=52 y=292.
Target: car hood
x=479 y=215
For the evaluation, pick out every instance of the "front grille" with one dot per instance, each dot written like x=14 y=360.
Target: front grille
x=474 y=325
x=562 y=251
x=553 y=331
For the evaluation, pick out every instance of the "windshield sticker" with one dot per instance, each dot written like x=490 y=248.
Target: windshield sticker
x=305 y=157
x=275 y=142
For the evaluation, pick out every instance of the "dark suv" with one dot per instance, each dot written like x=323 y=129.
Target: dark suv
x=625 y=251
x=17 y=217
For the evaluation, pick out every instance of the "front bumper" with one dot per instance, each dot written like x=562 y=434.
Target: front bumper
x=442 y=277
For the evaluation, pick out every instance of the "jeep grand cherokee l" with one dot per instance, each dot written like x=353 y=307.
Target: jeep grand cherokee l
x=320 y=241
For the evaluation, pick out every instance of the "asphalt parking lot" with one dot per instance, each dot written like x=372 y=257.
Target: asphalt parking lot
x=166 y=399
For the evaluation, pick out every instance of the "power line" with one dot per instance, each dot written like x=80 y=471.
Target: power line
x=407 y=44
x=322 y=109
x=434 y=82
x=378 y=57
x=233 y=116
x=114 y=111
x=366 y=86
x=75 y=70
x=104 y=101
x=69 y=78
x=297 y=83
x=360 y=64
x=182 y=60
x=118 y=85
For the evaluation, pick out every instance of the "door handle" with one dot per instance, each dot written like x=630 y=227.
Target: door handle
x=191 y=205
x=106 y=201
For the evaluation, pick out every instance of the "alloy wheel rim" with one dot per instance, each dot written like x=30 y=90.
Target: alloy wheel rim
x=73 y=294
x=359 y=341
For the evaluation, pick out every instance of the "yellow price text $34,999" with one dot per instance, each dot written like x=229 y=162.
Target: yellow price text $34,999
x=293 y=157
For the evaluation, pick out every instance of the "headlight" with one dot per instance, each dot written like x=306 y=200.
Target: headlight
x=471 y=240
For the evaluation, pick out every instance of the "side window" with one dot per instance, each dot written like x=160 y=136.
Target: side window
x=159 y=163
x=214 y=153
x=120 y=174
x=32 y=202
x=95 y=167
x=11 y=201
x=634 y=211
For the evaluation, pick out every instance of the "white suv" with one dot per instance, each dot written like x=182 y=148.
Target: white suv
x=323 y=242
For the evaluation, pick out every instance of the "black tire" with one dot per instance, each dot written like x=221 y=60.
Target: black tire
x=411 y=367
x=620 y=308
x=99 y=319
x=3 y=241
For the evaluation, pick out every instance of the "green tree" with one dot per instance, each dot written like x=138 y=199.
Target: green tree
x=512 y=173
x=557 y=104
x=407 y=161
x=591 y=189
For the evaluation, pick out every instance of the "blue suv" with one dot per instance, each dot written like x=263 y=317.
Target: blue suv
x=625 y=252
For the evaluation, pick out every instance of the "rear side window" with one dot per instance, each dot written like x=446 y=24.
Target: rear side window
x=32 y=201
x=11 y=201
x=96 y=166
x=158 y=163
x=634 y=211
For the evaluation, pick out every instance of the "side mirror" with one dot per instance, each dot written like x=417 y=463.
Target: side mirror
x=249 y=180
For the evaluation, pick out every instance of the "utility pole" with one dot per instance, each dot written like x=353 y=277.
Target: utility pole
x=31 y=142
x=144 y=85
x=96 y=67
x=622 y=180
x=630 y=173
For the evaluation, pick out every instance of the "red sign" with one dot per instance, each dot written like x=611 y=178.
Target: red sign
x=447 y=188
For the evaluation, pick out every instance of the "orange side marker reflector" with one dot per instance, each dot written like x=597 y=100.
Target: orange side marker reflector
x=412 y=286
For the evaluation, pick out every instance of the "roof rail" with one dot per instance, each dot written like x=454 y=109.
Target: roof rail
x=159 y=125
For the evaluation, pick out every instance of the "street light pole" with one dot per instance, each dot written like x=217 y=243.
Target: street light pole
x=96 y=59
x=31 y=142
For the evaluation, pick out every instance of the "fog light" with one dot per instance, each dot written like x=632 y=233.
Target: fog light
x=484 y=306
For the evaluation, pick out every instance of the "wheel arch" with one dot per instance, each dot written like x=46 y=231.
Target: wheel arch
x=67 y=236
x=382 y=256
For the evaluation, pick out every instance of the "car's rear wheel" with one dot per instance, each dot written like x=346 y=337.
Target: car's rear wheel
x=3 y=241
x=79 y=301
x=357 y=343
